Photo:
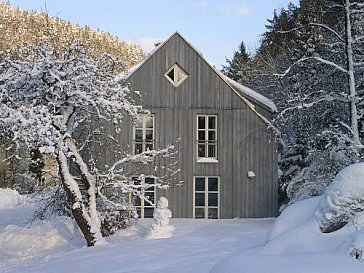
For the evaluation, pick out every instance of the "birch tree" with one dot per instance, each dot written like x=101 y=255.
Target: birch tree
x=45 y=96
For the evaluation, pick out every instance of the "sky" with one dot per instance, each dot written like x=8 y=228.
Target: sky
x=214 y=27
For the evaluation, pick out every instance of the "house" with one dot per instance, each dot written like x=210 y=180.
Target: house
x=227 y=156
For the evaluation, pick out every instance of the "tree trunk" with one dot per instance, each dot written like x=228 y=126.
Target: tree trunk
x=91 y=233
x=88 y=181
x=351 y=76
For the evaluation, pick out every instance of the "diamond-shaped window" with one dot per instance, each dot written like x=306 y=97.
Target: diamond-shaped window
x=176 y=75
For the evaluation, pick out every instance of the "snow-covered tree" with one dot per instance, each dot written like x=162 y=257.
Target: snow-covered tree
x=45 y=96
x=322 y=113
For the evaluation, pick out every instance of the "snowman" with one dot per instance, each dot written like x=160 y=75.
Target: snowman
x=160 y=228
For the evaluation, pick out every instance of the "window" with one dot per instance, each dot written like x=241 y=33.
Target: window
x=207 y=137
x=143 y=134
x=206 y=198
x=176 y=75
x=144 y=196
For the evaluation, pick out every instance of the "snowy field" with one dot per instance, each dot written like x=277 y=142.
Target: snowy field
x=244 y=245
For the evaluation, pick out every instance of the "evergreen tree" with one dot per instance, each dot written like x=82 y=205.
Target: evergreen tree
x=237 y=68
x=321 y=117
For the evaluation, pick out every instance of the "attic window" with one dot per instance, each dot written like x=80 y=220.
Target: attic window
x=176 y=75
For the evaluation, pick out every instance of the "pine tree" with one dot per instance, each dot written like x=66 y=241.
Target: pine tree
x=238 y=67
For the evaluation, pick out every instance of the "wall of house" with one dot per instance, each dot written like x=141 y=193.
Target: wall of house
x=244 y=143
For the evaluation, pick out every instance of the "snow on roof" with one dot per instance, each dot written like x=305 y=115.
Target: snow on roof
x=237 y=87
x=248 y=93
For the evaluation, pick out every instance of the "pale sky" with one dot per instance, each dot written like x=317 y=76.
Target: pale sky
x=214 y=27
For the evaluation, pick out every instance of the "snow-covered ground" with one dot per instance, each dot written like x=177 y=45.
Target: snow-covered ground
x=296 y=245
x=57 y=246
x=293 y=244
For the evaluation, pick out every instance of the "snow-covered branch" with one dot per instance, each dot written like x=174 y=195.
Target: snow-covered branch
x=321 y=60
x=302 y=105
x=326 y=27
x=357 y=5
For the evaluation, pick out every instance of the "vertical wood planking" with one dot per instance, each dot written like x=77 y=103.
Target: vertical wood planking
x=243 y=141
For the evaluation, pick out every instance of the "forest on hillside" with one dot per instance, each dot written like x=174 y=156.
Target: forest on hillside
x=310 y=62
x=19 y=27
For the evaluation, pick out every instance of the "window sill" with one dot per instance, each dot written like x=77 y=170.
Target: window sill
x=207 y=160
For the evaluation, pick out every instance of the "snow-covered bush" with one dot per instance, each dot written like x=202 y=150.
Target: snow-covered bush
x=24 y=182
x=342 y=200
x=317 y=170
x=114 y=216
x=50 y=201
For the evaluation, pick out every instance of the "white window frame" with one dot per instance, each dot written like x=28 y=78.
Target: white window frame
x=143 y=142
x=207 y=142
x=206 y=192
x=143 y=191
x=177 y=69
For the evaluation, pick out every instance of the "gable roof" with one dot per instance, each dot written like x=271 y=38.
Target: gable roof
x=246 y=94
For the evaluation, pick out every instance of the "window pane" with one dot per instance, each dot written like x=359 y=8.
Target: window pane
x=212 y=122
x=137 y=201
x=149 y=146
x=149 y=122
x=171 y=74
x=199 y=184
x=211 y=150
x=149 y=181
x=138 y=211
x=138 y=134
x=213 y=200
x=139 y=122
x=148 y=212
x=201 y=122
x=212 y=213
x=150 y=197
x=136 y=181
x=201 y=135
x=138 y=148
x=200 y=199
x=213 y=184
x=149 y=135
x=201 y=150
x=199 y=213
x=212 y=135
x=179 y=74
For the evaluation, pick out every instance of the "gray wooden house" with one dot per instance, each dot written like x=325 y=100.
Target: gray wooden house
x=226 y=154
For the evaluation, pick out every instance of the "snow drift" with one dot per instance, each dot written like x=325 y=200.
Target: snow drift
x=9 y=198
x=297 y=241
x=22 y=240
x=342 y=200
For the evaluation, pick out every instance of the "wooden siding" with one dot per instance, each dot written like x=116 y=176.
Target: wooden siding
x=244 y=143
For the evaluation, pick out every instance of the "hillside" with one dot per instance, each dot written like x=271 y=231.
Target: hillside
x=18 y=27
